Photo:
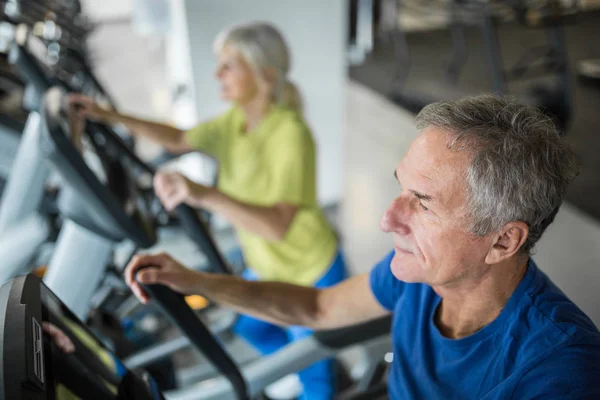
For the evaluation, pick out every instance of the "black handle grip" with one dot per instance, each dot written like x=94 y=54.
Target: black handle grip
x=177 y=310
x=119 y=144
x=191 y=223
x=28 y=68
x=198 y=232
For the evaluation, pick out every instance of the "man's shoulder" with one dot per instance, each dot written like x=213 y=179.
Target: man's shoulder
x=550 y=307
x=553 y=340
x=571 y=371
x=551 y=347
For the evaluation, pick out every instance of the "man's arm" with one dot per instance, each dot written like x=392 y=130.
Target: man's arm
x=347 y=303
x=569 y=373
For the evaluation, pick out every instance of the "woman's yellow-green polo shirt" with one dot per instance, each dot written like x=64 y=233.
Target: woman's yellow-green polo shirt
x=274 y=163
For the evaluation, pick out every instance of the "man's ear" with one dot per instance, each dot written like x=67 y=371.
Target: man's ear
x=508 y=242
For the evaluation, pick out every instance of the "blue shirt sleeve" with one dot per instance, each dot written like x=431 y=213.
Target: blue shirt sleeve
x=569 y=374
x=384 y=285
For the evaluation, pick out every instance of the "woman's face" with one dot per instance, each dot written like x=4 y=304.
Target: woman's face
x=238 y=82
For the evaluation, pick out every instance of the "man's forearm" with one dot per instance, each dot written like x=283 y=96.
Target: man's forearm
x=275 y=302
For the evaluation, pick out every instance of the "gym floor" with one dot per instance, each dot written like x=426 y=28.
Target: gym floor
x=378 y=132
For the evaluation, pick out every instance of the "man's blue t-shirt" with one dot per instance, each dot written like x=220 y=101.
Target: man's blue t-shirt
x=541 y=346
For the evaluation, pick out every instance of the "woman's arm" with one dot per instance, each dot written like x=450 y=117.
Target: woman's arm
x=269 y=222
x=272 y=223
x=171 y=138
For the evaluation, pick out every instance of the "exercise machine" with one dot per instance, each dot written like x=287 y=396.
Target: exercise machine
x=110 y=218
x=48 y=353
x=28 y=215
x=101 y=206
x=24 y=191
x=63 y=30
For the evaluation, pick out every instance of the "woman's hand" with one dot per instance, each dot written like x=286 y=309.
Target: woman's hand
x=159 y=269
x=76 y=125
x=174 y=189
x=86 y=107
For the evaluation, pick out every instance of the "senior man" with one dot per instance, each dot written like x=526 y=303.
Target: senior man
x=474 y=317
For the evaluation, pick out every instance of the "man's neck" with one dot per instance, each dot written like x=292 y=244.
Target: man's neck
x=255 y=111
x=474 y=302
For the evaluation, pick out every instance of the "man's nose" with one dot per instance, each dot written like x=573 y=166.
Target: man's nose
x=396 y=217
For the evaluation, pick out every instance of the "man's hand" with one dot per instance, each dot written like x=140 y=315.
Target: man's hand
x=174 y=189
x=60 y=339
x=159 y=269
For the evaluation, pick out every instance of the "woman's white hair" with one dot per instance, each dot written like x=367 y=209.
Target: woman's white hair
x=263 y=47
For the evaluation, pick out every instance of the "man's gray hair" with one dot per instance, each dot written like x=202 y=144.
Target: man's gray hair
x=521 y=167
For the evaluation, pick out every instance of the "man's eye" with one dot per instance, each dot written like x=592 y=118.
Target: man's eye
x=423 y=206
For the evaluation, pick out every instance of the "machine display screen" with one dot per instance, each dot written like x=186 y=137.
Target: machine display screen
x=78 y=366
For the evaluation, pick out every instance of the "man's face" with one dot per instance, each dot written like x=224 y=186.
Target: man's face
x=428 y=220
